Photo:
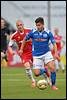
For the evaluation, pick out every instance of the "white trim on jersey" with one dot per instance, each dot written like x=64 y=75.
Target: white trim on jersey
x=11 y=42
x=47 y=30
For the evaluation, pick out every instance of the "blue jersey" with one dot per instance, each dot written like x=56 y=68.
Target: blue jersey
x=40 y=41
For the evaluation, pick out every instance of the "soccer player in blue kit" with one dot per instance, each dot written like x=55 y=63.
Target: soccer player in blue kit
x=41 y=51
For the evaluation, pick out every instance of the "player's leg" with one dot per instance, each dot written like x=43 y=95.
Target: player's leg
x=47 y=76
x=39 y=69
x=29 y=72
x=57 y=59
x=27 y=62
x=56 y=64
x=53 y=74
x=50 y=62
x=61 y=63
x=62 y=66
x=37 y=66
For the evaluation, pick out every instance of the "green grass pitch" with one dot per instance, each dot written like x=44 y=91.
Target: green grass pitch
x=16 y=85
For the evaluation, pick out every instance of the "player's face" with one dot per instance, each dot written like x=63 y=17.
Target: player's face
x=2 y=24
x=56 y=31
x=20 y=26
x=40 y=26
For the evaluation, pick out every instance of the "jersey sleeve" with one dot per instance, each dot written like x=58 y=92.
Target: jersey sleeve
x=51 y=38
x=30 y=35
x=11 y=42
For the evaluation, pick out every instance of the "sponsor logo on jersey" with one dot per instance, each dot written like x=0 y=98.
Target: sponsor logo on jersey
x=39 y=39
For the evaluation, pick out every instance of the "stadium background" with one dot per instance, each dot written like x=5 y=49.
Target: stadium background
x=54 y=14
x=28 y=11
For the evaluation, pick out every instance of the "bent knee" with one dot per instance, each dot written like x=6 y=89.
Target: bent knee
x=27 y=65
x=36 y=72
x=52 y=69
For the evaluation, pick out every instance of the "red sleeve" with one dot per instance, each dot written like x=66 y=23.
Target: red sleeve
x=13 y=35
x=27 y=31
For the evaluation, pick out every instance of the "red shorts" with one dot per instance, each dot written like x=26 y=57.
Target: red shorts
x=27 y=58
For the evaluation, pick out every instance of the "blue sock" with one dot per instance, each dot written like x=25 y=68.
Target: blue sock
x=53 y=78
x=42 y=71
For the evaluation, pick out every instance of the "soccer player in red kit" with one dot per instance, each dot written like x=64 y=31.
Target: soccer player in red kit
x=60 y=43
x=18 y=37
x=58 y=39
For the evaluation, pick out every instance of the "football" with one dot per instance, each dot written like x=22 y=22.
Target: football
x=42 y=84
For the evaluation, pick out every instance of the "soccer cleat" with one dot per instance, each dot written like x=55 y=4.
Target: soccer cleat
x=54 y=88
x=33 y=84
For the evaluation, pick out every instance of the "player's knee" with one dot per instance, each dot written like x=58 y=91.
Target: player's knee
x=36 y=72
x=46 y=67
x=52 y=69
x=27 y=65
x=52 y=66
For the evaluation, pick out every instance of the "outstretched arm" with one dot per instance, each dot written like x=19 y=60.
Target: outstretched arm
x=22 y=46
x=54 y=46
x=24 y=42
x=10 y=46
x=51 y=37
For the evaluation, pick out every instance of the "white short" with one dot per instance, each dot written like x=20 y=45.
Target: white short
x=39 y=61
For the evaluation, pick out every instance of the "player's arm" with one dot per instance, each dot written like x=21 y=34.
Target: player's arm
x=51 y=37
x=27 y=38
x=11 y=42
x=54 y=46
x=62 y=43
x=22 y=46
x=56 y=54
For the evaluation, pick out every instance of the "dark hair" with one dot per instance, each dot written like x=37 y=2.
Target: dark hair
x=39 y=19
x=6 y=23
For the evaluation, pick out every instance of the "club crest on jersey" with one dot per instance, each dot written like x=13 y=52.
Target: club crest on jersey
x=45 y=35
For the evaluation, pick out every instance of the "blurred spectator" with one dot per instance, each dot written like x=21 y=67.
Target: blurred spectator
x=5 y=35
x=5 y=32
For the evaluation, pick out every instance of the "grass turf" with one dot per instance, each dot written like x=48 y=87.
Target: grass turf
x=16 y=85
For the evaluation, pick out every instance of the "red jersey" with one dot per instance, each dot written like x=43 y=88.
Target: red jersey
x=58 y=42
x=19 y=36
